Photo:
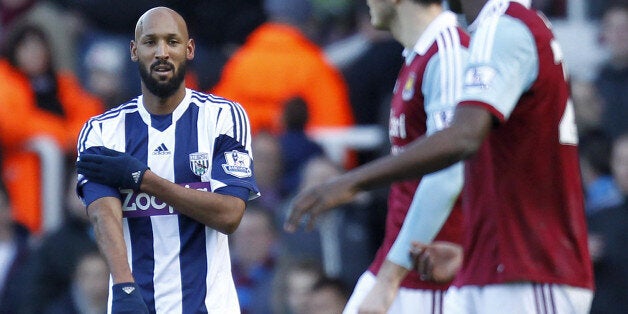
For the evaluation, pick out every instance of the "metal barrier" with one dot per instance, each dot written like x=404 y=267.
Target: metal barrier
x=52 y=177
x=337 y=141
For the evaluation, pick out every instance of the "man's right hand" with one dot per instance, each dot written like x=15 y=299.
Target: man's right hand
x=127 y=299
x=438 y=261
x=316 y=200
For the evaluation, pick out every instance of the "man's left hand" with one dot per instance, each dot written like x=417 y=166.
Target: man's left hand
x=112 y=168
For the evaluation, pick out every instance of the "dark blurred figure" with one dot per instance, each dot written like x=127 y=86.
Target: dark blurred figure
x=551 y=8
x=599 y=186
x=612 y=80
x=49 y=270
x=89 y=288
x=297 y=148
x=607 y=241
x=14 y=251
x=587 y=104
x=254 y=256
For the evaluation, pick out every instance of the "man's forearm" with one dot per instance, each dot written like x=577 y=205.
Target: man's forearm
x=106 y=217
x=220 y=212
x=391 y=274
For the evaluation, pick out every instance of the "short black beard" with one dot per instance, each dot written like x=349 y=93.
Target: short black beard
x=162 y=89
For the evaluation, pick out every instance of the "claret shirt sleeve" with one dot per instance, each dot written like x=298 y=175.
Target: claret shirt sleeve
x=502 y=66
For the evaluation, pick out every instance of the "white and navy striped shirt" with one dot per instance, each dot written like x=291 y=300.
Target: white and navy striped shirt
x=181 y=265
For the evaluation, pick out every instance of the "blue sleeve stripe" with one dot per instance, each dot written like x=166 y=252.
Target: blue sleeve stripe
x=125 y=108
x=238 y=116
x=245 y=124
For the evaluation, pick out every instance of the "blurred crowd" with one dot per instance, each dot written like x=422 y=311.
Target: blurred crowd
x=298 y=67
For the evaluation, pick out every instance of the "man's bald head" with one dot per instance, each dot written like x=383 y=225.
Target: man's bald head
x=159 y=14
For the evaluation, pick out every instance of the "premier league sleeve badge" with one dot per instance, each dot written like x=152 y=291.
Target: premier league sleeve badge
x=238 y=164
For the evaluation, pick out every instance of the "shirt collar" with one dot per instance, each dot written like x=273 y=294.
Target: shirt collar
x=427 y=38
x=493 y=7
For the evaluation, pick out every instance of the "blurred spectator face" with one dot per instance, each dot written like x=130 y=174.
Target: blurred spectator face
x=104 y=62
x=326 y=300
x=318 y=171
x=615 y=32
x=300 y=283
x=587 y=104
x=619 y=163
x=267 y=161
x=253 y=240
x=32 y=55
x=92 y=278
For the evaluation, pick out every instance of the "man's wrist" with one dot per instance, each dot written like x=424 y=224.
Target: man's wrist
x=391 y=273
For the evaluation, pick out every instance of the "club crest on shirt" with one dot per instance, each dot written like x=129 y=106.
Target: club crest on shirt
x=238 y=164
x=479 y=78
x=408 y=87
x=199 y=163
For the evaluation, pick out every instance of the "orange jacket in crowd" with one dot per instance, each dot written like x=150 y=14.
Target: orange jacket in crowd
x=276 y=63
x=21 y=120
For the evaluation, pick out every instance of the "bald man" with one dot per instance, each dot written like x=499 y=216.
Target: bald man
x=165 y=178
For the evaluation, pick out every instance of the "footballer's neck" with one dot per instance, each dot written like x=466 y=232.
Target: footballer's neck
x=162 y=106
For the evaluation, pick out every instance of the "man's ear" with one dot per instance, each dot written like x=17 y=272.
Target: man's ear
x=190 y=49
x=133 y=49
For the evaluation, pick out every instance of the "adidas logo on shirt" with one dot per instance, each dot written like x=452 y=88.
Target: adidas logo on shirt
x=136 y=176
x=161 y=150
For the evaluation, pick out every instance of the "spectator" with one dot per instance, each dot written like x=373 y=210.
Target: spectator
x=587 y=103
x=608 y=238
x=38 y=100
x=49 y=269
x=268 y=165
x=613 y=76
x=14 y=251
x=297 y=148
x=600 y=189
x=254 y=252
x=293 y=283
x=89 y=289
x=278 y=62
x=327 y=296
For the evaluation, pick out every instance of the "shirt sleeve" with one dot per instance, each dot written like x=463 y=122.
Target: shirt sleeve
x=89 y=140
x=437 y=192
x=432 y=203
x=503 y=64
x=233 y=156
